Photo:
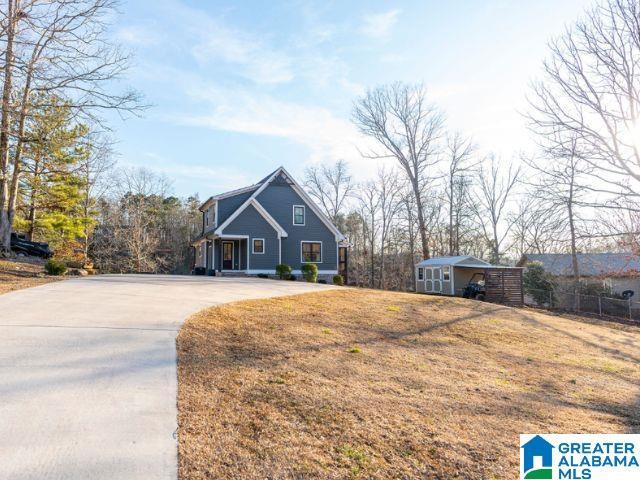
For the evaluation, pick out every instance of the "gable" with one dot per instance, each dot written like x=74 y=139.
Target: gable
x=279 y=197
x=250 y=222
x=280 y=178
x=227 y=206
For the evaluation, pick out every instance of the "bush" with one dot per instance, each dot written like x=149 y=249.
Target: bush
x=292 y=277
x=538 y=283
x=338 y=280
x=263 y=275
x=55 y=267
x=283 y=271
x=310 y=272
x=322 y=281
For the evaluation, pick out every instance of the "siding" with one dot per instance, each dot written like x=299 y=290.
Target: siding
x=227 y=206
x=278 y=200
x=251 y=223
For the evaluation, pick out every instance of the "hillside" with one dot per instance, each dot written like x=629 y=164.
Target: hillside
x=368 y=384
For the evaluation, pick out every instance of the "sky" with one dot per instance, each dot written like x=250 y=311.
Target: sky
x=238 y=88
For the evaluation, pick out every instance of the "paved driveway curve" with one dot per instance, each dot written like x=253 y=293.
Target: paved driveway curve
x=88 y=372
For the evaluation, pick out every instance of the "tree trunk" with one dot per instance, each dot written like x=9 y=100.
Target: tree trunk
x=451 y=242
x=5 y=124
x=574 y=252
x=421 y=223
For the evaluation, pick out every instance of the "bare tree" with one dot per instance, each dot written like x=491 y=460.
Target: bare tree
x=408 y=129
x=459 y=152
x=490 y=205
x=369 y=207
x=389 y=192
x=331 y=186
x=590 y=92
x=53 y=48
x=94 y=171
x=559 y=188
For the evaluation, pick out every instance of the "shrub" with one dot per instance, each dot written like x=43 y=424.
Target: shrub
x=263 y=275
x=293 y=278
x=322 y=281
x=283 y=271
x=55 y=267
x=338 y=280
x=310 y=272
x=538 y=283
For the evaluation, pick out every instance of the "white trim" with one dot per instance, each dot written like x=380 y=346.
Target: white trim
x=213 y=254
x=279 y=251
x=233 y=237
x=233 y=256
x=304 y=216
x=272 y=221
x=310 y=241
x=215 y=223
x=253 y=251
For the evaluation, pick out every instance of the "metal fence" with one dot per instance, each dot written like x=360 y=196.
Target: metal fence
x=590 y=304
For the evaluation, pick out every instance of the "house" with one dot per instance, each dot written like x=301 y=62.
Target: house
x=252 y=229
x=450 y=275
x=617 y=271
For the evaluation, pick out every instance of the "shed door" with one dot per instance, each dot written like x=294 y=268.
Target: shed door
x=433 y=279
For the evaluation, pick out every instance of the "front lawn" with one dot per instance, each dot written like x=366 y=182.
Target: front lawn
x=368 y=384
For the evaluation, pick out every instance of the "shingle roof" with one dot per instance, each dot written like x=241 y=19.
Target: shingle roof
x=590 y=264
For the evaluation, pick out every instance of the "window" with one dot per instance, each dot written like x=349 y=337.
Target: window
x=206 y=218
x=298 y=214
x=420 y=273
x=312 y=252
x=258 y=245
x=446 y=274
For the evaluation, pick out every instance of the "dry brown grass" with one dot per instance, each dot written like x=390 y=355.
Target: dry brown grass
x=367 y=384
x=17 y=274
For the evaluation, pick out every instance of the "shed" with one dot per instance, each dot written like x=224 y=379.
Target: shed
x=450 y=275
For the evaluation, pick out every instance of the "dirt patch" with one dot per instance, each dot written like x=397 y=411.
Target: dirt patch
x=23 y=273
x=369 y=384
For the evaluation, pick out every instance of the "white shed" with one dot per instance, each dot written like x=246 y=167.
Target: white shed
x=447 y=275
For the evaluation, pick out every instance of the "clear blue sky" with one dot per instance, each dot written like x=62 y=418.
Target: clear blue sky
x=239 y=88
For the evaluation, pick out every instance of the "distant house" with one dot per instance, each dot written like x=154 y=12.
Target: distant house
x=252 y=229
x=618 y=271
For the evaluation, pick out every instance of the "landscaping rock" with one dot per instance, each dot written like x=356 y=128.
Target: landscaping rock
x=80 y=272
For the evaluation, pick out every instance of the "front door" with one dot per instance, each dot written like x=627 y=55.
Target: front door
x=227 y=255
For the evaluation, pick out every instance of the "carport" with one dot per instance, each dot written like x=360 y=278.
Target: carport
x=450 y=275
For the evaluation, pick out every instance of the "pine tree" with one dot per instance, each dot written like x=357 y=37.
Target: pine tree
x=53 y=185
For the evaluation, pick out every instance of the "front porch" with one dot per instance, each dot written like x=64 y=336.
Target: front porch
x=226 y=254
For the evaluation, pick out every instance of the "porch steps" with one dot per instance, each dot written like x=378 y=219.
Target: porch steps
x=231 y=274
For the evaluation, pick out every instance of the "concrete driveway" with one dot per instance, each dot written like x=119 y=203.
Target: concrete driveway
x=88 y=372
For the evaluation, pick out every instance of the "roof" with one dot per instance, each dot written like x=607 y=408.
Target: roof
x=461 y=260
x=237 y=191
x=590 y=264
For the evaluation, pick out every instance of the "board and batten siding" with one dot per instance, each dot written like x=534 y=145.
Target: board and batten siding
x=251 y=223
x=278 y=199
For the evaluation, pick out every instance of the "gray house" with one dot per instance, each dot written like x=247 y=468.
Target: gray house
x=253 y=229
x=617 y=271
